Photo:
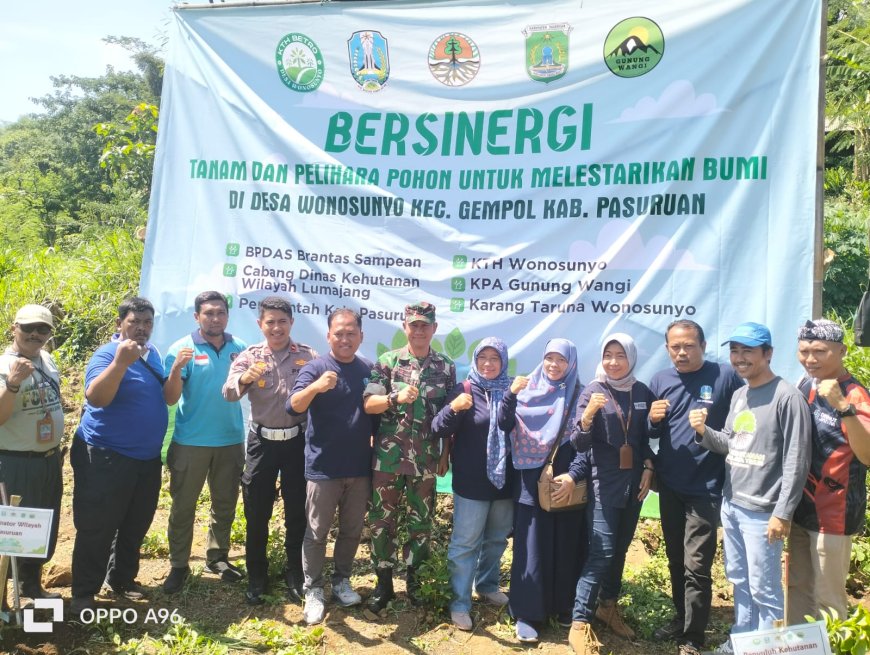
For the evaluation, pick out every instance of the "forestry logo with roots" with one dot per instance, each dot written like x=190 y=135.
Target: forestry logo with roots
x=634 y=47
x=300 y=62
x=454 y=59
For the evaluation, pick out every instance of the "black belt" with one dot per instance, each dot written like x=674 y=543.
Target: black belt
x=30 y=453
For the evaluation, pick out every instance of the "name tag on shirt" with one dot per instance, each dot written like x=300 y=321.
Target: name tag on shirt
x=640 y=405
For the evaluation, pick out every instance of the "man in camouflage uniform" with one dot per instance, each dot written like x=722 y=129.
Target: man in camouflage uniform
x=407 y=388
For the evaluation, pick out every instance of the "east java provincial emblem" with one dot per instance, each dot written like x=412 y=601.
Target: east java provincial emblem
x=547 y=51
x=369 y=59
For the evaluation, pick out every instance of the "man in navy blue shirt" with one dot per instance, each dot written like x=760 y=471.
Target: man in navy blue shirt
x=338 y=458
x=689 y=476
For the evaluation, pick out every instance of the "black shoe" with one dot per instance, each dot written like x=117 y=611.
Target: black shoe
x=294 y=580
x=175 y=580
x=34 y=590
x=383 y=592
x=671 y=630
x=412 y=586
x=79 y=604
x=256 y=589
x=131 y=591
x=225 y=570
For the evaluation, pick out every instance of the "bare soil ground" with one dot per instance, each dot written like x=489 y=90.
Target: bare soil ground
x=211 y=606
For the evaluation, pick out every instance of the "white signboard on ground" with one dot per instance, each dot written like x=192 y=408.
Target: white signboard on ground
x=24 y=531
x=806 y=639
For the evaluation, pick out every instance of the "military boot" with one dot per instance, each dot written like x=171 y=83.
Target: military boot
x=383 y=592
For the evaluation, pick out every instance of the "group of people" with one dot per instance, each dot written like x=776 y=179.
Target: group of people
x=737 y=446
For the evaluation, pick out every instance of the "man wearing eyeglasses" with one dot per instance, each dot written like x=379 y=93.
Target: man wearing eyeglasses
x=31 y=461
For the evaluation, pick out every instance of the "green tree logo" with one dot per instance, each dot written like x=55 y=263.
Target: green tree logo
x=300 y=62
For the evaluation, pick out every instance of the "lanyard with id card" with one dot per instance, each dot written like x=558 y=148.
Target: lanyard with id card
x=626 y=452
x=45 y=429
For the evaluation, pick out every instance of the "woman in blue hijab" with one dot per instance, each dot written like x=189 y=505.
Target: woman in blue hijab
x=549 y=548
x=482 y=505
x=612 y=426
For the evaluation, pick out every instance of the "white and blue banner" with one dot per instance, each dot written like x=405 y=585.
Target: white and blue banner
x=534 y=169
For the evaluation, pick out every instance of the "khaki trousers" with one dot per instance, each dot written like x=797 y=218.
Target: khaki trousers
x=818 y=567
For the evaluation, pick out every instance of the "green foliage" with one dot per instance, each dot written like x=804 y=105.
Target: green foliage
x=850 y=635
x=434 y=578
x=846 y=234
x=156 y=544
x=82 y=287
x=858 y=360
x=128 y=150
x=644 y=604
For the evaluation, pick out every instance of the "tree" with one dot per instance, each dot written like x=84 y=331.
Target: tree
x=53 y=189
x=847 y=89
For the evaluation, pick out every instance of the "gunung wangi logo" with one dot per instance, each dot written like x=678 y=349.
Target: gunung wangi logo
x=634 y=47
x=369 y=58
x=454 y=59
x=300 y=62
x=547 y=51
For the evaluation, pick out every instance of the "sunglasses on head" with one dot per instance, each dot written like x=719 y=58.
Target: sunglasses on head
x=42 y=328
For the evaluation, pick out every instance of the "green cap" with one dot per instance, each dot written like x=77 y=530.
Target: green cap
x=420 y=311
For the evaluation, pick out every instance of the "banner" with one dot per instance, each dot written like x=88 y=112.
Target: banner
x=534 y=169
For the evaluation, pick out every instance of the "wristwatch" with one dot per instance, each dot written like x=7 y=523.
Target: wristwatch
x=849 y=411
x=394 y=399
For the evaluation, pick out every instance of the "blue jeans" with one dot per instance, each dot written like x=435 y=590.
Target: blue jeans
x=754 y=567
x=479 y=539
x=610 y=536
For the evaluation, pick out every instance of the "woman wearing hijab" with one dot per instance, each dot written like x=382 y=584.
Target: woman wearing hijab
x=482 y=505
x=612 y=427
x=548 y=547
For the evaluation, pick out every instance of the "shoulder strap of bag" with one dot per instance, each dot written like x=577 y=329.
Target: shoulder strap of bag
x=153 y=372
x=558 y=441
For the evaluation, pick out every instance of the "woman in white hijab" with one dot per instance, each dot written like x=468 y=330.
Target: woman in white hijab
x=612 y=426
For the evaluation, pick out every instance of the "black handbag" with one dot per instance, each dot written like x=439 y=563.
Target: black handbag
x=862 y=321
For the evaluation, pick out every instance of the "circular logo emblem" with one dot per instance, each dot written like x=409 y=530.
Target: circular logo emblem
x=454 y=59
x=634 y=47
x=300 y=62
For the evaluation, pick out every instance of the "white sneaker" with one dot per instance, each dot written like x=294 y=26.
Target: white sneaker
x=344 y=595
x=526 y=633
x=314 y=607
x=498 y=598
x=725 y=648
x=461 y=620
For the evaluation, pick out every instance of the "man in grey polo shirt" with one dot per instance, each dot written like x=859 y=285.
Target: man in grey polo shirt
x=266 y=372
x=31 y=427
x=766 y=441
x=207 y=441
